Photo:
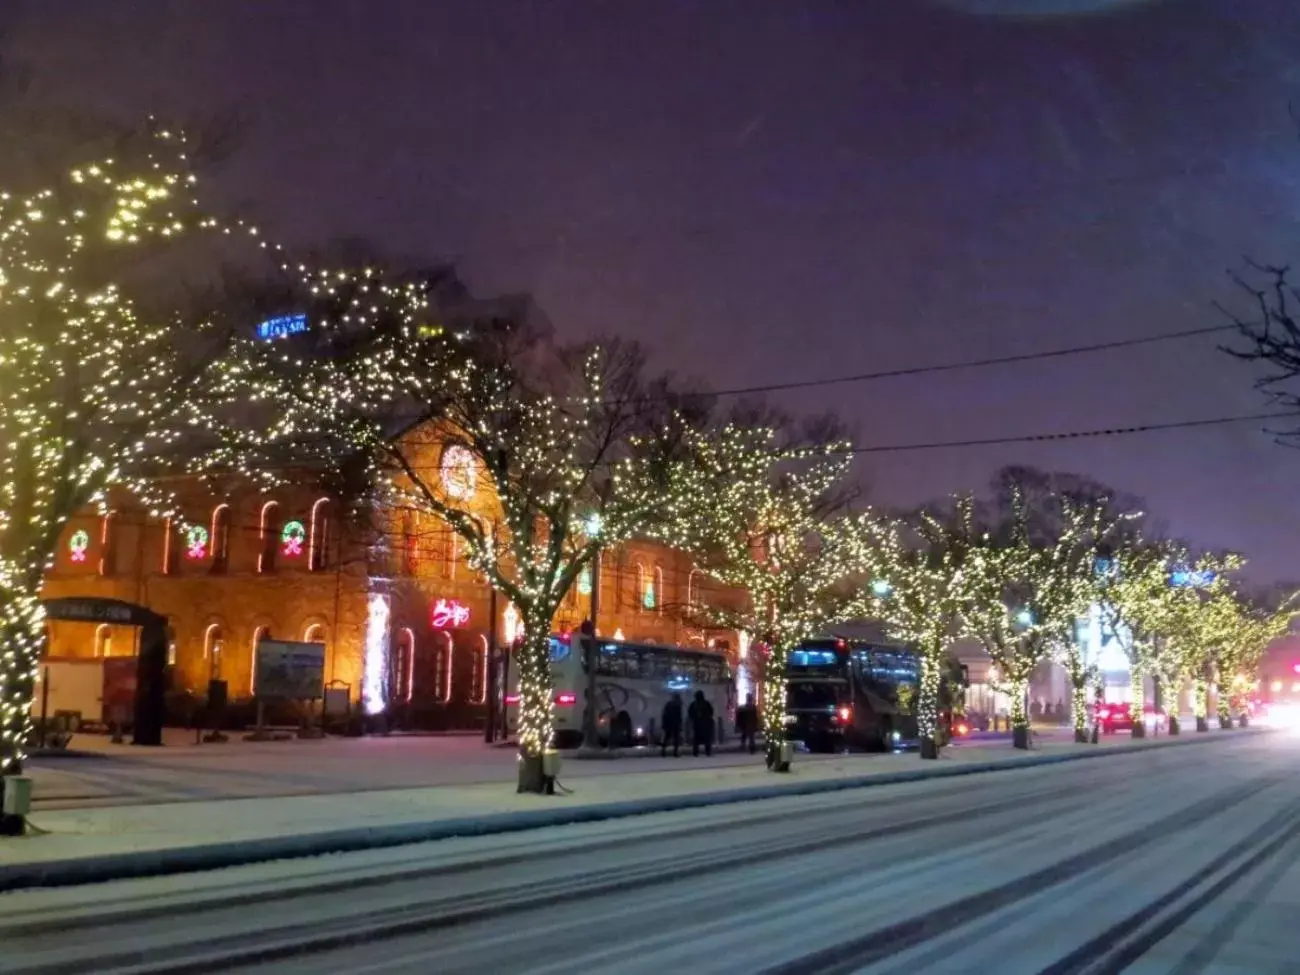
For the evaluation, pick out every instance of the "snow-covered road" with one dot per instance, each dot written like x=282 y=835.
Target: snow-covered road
x=1175 y=860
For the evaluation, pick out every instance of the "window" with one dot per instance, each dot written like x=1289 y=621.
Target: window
x=655 y=597
x=315 y=633
x=212 y=650
x=219 y=540
x=479 y=684
x=693 y=591
x=638 y=594
x=172 y=545
x=442 y=669
x=403 y=669
x=103 y=640
x=268 y=533
x=318 y=539
x=108 y=544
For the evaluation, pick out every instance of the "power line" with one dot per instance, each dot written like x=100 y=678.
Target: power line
x=1071 y=434
x=971 y=363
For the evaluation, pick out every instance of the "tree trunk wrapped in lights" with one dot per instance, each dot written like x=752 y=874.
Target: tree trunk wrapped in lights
x=103 y=382
x=1083 y=677
x=1201 y=703
x=775 y=519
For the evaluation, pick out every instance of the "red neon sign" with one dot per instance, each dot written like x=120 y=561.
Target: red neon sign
x=449 y=614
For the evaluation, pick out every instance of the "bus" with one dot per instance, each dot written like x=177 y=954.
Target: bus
x=633 y=683
x=852 y=694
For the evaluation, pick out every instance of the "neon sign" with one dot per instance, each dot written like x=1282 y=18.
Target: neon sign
x=78 y=545
x=278 y=328
x=292 y=538
x=196 y=542
x=449 y=614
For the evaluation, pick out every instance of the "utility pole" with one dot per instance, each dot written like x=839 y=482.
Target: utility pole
x=591 y=654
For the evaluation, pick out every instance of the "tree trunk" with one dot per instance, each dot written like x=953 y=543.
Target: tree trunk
x=1137 y=701
x=1225 y=711
x=1201 y=704
x=22 y=639
x=927 y=705
x=1079 y=707
x=1019 y=716
x=774 y=701
x=536 y=705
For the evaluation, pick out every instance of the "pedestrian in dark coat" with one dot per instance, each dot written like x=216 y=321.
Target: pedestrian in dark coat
x=672 y=726
x=700 y=714
x=747 y=723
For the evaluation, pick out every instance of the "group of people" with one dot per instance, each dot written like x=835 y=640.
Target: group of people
x=701 y=718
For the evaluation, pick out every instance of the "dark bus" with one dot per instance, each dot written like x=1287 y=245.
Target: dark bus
x=852 y=694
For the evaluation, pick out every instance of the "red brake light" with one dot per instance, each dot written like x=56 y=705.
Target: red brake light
x=963 y=729
x=512 y=699
x=845 y=714
x=566 y=699
x=1103 y=714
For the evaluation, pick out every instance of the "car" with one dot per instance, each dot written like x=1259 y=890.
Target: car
x=1117 y=717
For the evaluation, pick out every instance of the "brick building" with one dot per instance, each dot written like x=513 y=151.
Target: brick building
x=404 y=620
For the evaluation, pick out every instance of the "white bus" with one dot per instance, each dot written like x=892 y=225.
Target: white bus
x=633 y=683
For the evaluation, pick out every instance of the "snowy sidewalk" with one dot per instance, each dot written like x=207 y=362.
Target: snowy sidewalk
x=136 y=840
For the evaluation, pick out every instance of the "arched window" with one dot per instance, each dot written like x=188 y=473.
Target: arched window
x=693 y=603
x=212 y=645
x=403 y=669
x=638 y=595
x=479 y=684
x=259 y=634
x=314 y=634
x=103 y=640
x=654 y=599
x=172 y=545
x=219 y=538
x=443 y=664
x=318 y=538
x=268 y=534
x=108 y=544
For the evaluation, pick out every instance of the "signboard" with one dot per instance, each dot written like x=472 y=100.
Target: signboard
x=93 y=610
x=448 y=614
x=275 y=328
x=293 y=671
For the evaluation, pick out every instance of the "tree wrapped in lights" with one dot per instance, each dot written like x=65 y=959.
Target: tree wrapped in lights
x=1183 y=624
x=537 y=455
x=96 y=384
x=1241 y=631
x=1026 y=593
x=919 y=595
x=775 y=520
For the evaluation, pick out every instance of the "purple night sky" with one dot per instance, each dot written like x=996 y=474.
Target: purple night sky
x=769 y=191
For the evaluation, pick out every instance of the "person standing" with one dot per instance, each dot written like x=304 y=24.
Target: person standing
x=747 y=723
x=701 y=718
x=671 y=720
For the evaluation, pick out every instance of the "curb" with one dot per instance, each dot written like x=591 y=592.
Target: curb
x=217 y=856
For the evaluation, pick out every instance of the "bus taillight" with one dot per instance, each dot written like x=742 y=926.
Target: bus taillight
x=844 y=714
x=566 y=699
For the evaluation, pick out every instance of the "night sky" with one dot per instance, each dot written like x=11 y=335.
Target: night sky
x=767 y=191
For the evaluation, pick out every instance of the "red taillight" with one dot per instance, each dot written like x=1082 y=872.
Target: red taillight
x=1103 y=714
x=566 y=699
x=963 y=730
x=845 y=714
x=512 y=699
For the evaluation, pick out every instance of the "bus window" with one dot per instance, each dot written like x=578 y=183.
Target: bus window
x=560 y=650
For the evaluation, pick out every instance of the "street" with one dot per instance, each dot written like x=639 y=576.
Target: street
x=1173 y=860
